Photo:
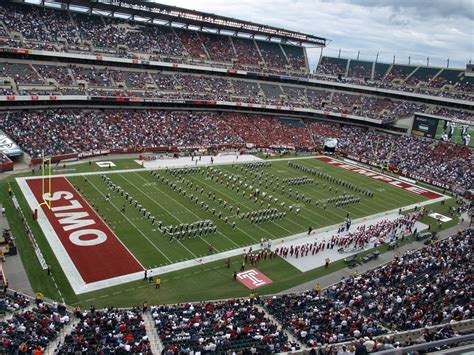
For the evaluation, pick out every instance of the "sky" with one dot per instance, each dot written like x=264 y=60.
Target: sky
x=438 y=29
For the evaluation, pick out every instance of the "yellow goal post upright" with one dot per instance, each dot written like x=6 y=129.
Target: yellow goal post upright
x=46 y=182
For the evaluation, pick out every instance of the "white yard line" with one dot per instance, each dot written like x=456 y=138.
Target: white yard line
x=130 y=221
x=78 y=284
x=189 y=211
x=154 y=202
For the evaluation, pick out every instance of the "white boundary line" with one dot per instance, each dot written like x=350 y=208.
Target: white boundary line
x=74 y=277
x=357 y=164
x=60 y=252
x=80 y=287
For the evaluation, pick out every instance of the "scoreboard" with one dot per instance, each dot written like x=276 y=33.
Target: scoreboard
x=425 y=126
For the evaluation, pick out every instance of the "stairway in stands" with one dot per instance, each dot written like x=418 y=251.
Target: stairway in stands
x=155 y=342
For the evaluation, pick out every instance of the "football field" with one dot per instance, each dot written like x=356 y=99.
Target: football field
x=107 y=228
x=457 y=135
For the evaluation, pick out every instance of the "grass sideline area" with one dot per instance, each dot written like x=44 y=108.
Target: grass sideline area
x=187 y=284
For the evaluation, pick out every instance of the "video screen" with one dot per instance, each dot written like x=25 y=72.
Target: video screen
x=457 y=132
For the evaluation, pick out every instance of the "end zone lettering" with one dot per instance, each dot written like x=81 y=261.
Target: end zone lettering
x=75 y=220
x=78 y=236
x=380 y=177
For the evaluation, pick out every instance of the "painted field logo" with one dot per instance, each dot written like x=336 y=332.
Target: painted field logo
x=105 y=164
x=253 y=278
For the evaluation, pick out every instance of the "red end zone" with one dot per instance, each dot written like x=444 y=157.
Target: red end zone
x=94 y=249
x=380 y=177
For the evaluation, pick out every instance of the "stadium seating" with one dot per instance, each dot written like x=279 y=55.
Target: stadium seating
x=233 y=325
x=380 y=70
x=446 y=77
x=332 y=66
x=422 y=75
x=107 y=331
x=25 y=331
x=220 y=48
x=52 y=79
x=420 y=288
x=409 y=78
x=447 y=162
x=360 y=69
x=399 y=72
x=47 y=29
x=81 y=131
x=247 y=52
x=295 y=56
x=414 y=292
x=272 y=54
x=12 y=302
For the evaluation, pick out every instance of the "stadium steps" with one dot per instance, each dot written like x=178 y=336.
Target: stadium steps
x=290 y=336
x=40 y=76
x=306 y=61
x=346 y=71
x=259 y=53
x=284 y=54
x=411 y=74
x=152 y=333
x=233 y=48
x=204 y=47
x=435 y=76
x=387 y=72
x=5 y=28
x=66 y=330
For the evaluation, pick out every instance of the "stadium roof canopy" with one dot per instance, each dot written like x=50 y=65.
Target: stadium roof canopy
x=148 y=11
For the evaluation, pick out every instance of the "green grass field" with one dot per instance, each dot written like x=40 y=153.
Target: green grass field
x=153 y=248
x=213 y=280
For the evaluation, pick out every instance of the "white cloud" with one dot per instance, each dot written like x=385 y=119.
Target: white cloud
x=438 y=29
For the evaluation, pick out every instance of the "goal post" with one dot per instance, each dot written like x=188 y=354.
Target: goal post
x=46 y=181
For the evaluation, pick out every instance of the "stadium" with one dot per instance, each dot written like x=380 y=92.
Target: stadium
x=181 y=182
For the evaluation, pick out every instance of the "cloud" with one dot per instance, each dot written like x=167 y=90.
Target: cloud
x=438 y=29
x=422 y=8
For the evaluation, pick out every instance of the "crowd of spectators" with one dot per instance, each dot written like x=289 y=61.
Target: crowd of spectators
x=419 y=288
x=92 y=80
x=12 y=302
x=220 y=48
x=49 y=29
x=246 y=50
x=416 y=291
x=108 y=331
x=387 y=343
x=26 y=331
x=453 y=113
x=418 y=80
x=444 y=162
x=63 y=131
x=219 y=327
x=317 y=319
